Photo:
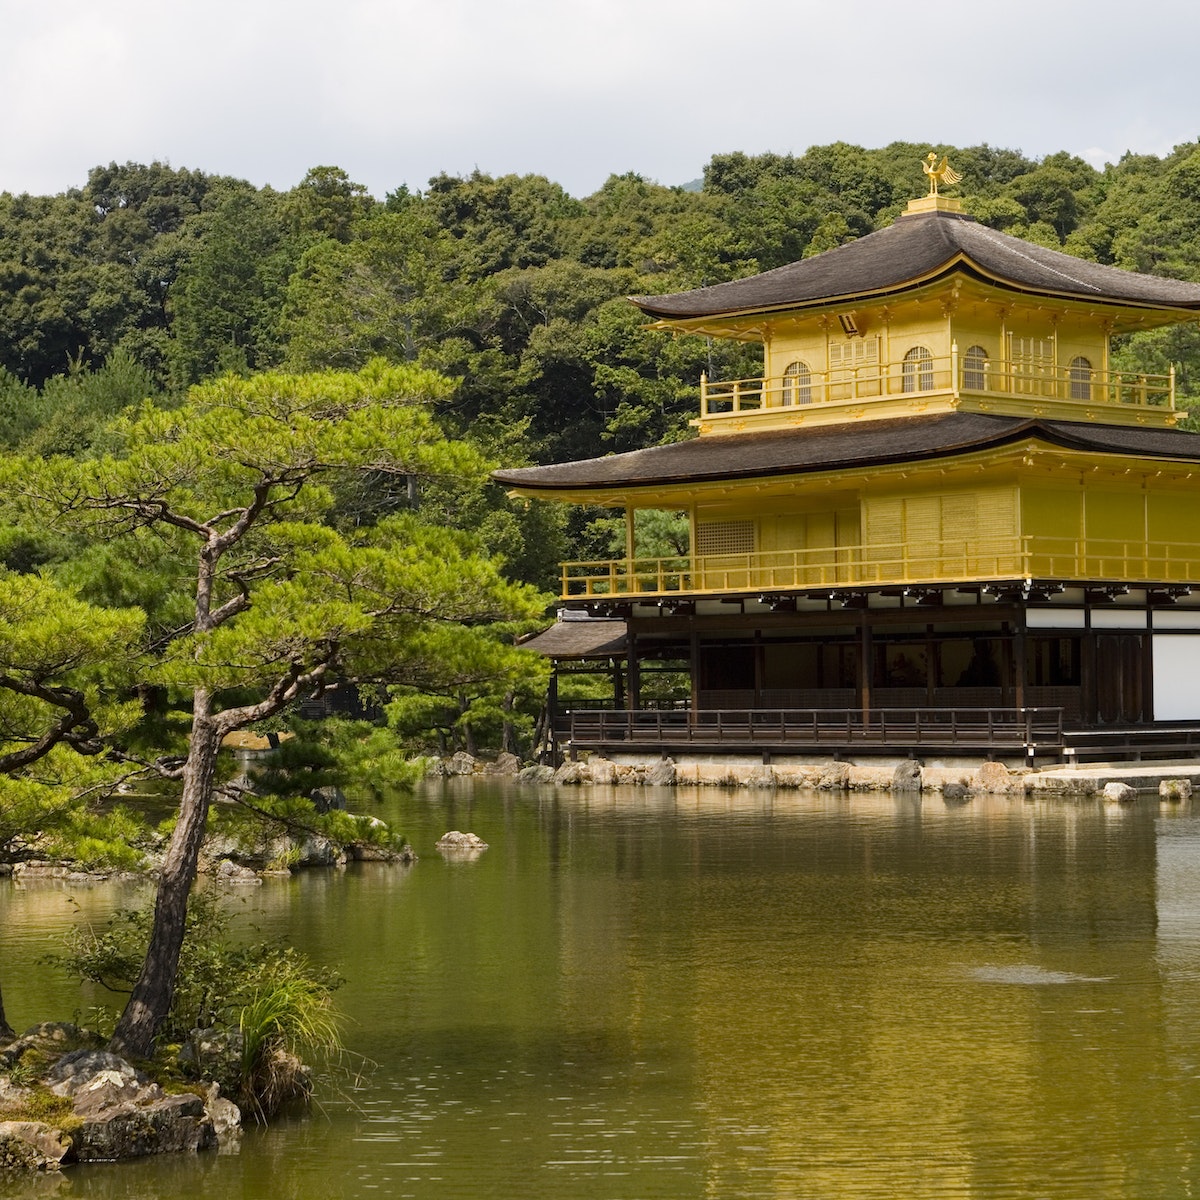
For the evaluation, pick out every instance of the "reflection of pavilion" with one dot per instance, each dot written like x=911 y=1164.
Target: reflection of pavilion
x=843 y=1042
x=1177 y=903
x=941 y=506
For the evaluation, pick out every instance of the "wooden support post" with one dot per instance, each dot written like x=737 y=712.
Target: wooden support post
x=694 y=654
x=1020 y=666
x=864 y=667
x=634 y=696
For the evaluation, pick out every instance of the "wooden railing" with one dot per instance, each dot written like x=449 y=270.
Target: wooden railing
x=1029 y=730
x=981 y=560
x=1066 y=385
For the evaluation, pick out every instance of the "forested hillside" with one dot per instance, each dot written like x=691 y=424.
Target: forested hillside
x=148 y=279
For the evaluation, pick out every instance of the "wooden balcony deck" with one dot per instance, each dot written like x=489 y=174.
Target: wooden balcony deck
x=1031 y=732
x=984 y=560
x=1067 y=388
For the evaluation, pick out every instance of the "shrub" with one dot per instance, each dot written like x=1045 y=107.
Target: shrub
x=241 y=1013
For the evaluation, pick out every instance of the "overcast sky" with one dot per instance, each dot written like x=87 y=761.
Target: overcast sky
x=394 y=91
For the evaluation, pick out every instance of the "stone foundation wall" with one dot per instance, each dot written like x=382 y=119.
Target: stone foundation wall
x=953 y=779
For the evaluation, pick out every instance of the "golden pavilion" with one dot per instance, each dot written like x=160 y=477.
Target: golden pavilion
x=939 y=518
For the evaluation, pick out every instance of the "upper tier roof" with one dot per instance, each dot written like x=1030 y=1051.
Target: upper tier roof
x=918 y=248
x=840 y=447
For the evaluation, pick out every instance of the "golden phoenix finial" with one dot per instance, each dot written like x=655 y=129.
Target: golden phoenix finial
x=943 y=173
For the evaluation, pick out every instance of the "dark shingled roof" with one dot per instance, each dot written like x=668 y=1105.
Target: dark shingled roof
x=596 y=637
x=830 y=447
x=918 y=247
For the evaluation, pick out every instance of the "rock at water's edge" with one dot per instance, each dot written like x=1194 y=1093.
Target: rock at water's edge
x=461 y=763
x=31 y=1146
x=170 y=1125
x=505 y=764
x=457 y=842
x=328 y=799
x=661 y=773
x=1119 y=793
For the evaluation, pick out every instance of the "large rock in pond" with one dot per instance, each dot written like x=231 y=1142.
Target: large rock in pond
x=569 y=772
x=602 y=771
x=834 y=777
x=1119 y=793
x=660 y=773
x=457 y=844
x=906 y=778
x=169 y=1125
x=230 y=872
x=1175 y=789
x=993 y=777
x=124 y=1113
x=505 y=764
x=328 y=799
x=461 y=763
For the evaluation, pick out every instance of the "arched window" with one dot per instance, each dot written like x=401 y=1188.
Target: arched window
x=1081 y=378
x=974 y=371
x=917 y=371
x=797 y=384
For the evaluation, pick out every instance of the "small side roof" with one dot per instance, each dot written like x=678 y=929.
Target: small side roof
x=830 y=447
x=918 y=248
x=579 y=637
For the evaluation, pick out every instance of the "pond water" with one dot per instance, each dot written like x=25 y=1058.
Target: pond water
x=684 y=993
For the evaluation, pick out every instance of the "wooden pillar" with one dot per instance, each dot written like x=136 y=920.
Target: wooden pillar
x=1148 y=675
x=1088 y=697
x=864 y=666
x=931 y=665
x=1020 y=664
x=630 y=539
x=694 y=654
x=618 y=676
x=634 y=696
x=758 y=669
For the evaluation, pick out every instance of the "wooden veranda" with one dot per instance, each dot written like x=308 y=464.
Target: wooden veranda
x=1034 y=734
x=1030 y=732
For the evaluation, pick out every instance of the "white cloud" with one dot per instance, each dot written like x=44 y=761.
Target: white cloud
x=395 y=91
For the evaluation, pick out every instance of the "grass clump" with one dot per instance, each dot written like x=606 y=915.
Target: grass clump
x=289 y=1014
x=243 y=1013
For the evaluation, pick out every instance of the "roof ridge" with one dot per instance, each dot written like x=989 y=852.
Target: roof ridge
x=1005 y=245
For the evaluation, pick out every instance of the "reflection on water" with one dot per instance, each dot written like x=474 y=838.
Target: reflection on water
x=685 y=993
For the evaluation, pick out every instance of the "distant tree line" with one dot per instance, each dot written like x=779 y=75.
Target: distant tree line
x=149 y=279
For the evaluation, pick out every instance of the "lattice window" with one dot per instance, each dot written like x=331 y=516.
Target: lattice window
x=853 y=368
x=975 y=365
x=1081 y=378
x=725 y=537
x=1032 y=362
x=917 y=370
x=797 y=384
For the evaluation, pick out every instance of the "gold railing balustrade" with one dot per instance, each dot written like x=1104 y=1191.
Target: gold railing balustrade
x=953 y=374
x=948 y=562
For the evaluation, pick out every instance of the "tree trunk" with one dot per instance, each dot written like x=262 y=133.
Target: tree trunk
x=468 y=734
x=7 y=1033
x=150 y=1001
x=508 y=737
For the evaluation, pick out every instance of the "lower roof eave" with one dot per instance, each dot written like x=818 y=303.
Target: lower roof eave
x=1039 y=592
